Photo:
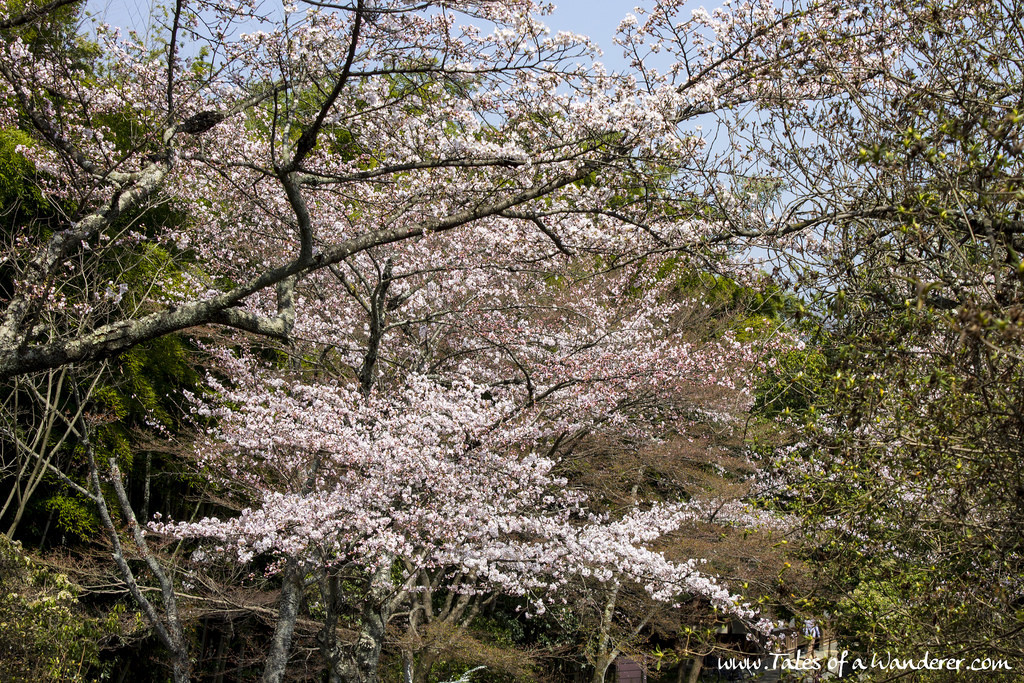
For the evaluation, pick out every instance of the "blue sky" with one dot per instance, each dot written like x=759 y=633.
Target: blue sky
x=595 y=18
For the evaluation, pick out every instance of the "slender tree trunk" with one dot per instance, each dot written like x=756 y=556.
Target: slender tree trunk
x=144 y=517
x=421 y=604
x=606 y=653
x=287 y=613
x=168 y=628
x=408 y=666
x=39 y=452
x=46 y=529
x=330 y=593
x=292 y=583
x=221 y=658
x=360 y=661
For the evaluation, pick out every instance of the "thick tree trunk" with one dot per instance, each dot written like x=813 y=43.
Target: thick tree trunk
x=695 y=667
x=601 y=668
x=360 y=661
x=425 y=664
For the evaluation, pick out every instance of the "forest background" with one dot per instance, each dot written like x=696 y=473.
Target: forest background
x=348 y=341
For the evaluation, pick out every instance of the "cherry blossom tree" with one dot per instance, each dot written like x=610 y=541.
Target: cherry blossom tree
x=442 y=461
x=294 y=144
x=290 y=154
